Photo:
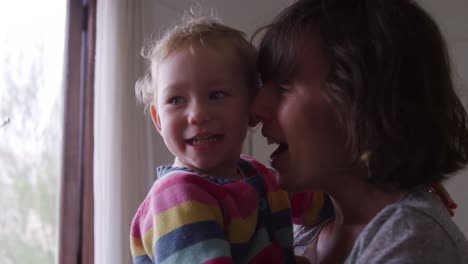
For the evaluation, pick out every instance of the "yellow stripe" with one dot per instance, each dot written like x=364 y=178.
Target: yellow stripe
x=240 y=230
x=279 y=200
x=186 y=213
x=313 y=214
x=142 y=246
x=137 y=246
x=183 y=214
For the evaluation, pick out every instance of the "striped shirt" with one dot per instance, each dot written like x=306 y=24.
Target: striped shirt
x=193 y=218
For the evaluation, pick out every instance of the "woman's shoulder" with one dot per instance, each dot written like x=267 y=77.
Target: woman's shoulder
x=417 y=228
x=418 y=210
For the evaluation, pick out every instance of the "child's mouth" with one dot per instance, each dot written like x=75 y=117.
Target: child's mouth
x=203 y=140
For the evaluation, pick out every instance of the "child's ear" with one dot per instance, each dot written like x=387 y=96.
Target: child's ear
x=155 y=118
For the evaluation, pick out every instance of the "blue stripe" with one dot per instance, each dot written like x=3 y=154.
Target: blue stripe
x=142 y=260
x=186 y=236
x=241 y=253
x=327 y=210
x=285 y=237
x=257 y=182
x=261 y=240
x=281 y=219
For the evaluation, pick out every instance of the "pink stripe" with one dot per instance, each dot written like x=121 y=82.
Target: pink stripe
x=170 y=193
x=188 y=178
x=237 y=200
x=270 y=177
x=271 y=182
x=241 y=201
x=163 y=198
x=270 y=254
x=301 y=203
x=139 y=220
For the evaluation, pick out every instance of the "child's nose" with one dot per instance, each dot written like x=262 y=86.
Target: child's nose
x=199 y=113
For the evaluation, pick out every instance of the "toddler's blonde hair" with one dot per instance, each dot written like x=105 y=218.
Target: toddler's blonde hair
x=197 y=28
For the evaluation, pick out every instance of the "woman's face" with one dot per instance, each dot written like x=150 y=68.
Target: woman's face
x=299 y=117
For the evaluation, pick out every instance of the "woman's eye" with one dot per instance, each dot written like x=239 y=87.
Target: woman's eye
x=217 y=95
x=176 y=100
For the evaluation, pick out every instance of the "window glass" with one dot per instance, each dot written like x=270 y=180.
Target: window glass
x=32 y=37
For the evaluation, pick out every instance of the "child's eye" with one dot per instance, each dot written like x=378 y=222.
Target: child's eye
x=177 y=100
x=216 y=95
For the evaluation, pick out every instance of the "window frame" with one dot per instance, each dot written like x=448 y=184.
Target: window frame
x=76 y=224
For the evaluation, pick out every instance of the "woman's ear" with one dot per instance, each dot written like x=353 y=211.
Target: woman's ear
x=155 y=118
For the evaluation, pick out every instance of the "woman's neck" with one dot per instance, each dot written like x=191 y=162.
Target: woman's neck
x=356 y=203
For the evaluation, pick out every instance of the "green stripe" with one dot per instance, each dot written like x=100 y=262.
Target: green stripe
x=201 y=252
x=259 y=242
x=285 y=237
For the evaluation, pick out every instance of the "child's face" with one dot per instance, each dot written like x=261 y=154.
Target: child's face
x=202 y=108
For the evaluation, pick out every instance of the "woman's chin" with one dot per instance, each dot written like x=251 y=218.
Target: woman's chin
x=290 y=182
x=290 y=187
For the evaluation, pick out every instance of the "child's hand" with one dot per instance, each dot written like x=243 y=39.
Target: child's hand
x=440 y=190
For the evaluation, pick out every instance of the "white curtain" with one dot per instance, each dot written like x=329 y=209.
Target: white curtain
x=125 y=141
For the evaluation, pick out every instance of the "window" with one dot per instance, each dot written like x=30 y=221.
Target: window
x=46 y=115
x=32 y=41
x=76 y=244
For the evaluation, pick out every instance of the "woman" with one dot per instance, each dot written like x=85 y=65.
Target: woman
x=358 y=95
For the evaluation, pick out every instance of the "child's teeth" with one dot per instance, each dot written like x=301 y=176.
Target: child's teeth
x=204 y=140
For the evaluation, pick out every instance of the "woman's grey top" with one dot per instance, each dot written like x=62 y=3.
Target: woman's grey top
x=417 y=229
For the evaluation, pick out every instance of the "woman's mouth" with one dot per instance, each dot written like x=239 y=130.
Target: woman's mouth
x=275 y=156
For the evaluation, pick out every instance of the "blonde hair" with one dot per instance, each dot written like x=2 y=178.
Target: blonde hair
x=196 y=29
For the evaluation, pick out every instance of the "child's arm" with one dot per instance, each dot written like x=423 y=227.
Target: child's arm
x=311 y=208
x=445 y=196
x=301 y=260
x=180 y=223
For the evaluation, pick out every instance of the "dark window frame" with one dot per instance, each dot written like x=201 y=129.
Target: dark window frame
x=76 y=228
